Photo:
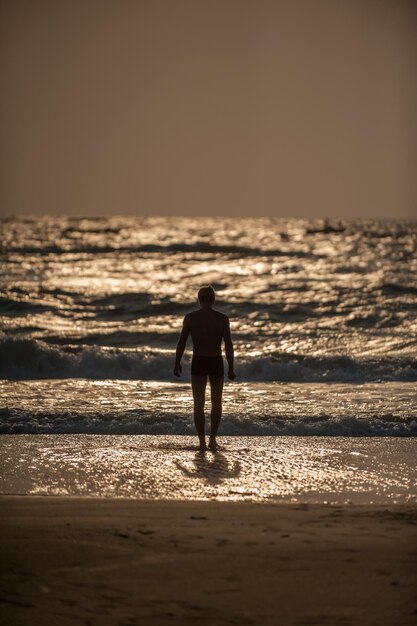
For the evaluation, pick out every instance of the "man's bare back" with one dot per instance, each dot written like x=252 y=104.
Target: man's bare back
x=207 y=328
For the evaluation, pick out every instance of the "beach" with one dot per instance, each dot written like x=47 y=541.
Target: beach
x=267 y=530
x=118 y=561
x=305 y=515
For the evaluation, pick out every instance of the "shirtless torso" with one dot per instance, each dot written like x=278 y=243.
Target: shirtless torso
x=207 y=328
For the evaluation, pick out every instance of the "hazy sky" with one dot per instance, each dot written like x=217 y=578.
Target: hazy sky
x=214 y=107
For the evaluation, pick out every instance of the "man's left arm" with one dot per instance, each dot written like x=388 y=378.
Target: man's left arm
x=181 y=346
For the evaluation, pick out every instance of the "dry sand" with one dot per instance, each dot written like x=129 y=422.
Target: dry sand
x=113 y=561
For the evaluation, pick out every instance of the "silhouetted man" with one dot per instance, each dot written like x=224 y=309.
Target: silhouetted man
x=208 y=328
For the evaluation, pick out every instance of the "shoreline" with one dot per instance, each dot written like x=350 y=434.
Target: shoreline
x=124 y=561
x=264 y=469
x=140 y=407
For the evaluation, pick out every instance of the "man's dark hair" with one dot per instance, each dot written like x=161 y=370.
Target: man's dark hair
x=206 y=294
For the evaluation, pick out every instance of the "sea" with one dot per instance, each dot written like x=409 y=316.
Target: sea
x=323 y=317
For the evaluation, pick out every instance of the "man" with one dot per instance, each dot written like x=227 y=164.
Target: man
x=207 y=327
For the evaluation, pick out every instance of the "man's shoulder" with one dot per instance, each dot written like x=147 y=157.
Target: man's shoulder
x=219 y=313
x=221 y=318
x=189 y=316
x=222 y=315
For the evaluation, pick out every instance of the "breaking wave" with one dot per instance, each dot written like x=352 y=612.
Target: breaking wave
x=139 y=422
x=22 y=359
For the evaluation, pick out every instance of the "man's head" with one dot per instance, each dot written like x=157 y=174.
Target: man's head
x=206 y=295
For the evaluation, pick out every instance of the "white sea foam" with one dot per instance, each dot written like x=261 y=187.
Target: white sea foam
x=29 y=359
x=137 y=424
x=140 y=407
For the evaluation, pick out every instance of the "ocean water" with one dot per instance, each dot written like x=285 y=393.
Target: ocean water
x=323 y=317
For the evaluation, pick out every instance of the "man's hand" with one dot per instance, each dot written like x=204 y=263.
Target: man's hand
x=231 y=375
x=177 y=369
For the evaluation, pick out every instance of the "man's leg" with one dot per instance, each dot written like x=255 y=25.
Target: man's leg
x=198 y=385
x=216 y=390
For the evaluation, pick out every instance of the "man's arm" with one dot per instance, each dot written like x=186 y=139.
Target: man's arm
x=230 y=355
x=181 y=346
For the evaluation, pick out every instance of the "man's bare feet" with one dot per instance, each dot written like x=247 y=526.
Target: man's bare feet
x=212 y=443
x=202 y=445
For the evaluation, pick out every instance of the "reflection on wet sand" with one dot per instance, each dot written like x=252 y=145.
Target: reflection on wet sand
x=213 y=468
x=303 y=469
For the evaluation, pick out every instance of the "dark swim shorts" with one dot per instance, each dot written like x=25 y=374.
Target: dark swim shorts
x=211 y=366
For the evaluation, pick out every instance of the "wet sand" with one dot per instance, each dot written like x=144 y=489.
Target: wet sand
x=340 y=470
x=100 y=561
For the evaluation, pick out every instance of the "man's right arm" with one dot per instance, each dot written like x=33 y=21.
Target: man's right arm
x=230 y=355
x=181 y=346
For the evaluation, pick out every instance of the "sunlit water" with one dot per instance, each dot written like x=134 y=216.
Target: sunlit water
x=252 y=408
x=308 y=301
x=283 y=469
x=323 y=317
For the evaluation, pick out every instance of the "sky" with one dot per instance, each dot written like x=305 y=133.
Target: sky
x=301 y=108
